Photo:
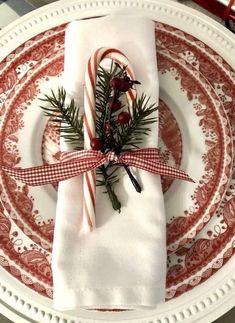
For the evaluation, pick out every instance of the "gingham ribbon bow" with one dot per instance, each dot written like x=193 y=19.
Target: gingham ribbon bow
x=78 y=162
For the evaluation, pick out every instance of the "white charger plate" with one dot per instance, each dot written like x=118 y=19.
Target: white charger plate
x=156 y=18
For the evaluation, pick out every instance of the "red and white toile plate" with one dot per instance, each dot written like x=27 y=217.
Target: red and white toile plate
x=26 y=139
x=213 y=246
x=204 y=149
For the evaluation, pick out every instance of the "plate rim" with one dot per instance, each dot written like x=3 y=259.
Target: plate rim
x=63 y=11
x=218 y=36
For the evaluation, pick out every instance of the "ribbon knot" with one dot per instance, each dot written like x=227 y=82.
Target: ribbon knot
x=111 y=156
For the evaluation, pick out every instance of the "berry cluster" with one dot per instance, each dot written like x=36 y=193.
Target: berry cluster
x=119 y=85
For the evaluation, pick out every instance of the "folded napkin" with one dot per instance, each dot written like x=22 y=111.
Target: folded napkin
x=122 y=263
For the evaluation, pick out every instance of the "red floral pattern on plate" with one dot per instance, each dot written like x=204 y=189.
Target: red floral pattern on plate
x=170 y=141
x=214 y=245
x=34 y=261
x=214 y=162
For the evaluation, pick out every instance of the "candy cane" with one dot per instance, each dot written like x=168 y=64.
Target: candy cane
x=89 y=179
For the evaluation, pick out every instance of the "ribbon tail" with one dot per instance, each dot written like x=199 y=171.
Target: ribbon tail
x=173 y=172
x=52 y=173
x=156 y=167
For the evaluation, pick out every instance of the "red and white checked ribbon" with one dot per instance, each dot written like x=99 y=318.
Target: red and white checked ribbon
x=89 y=180
x=74 y=163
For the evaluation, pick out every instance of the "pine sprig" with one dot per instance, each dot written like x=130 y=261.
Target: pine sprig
x=105 y=176
x=109 y=179
x=130 y=136
x=103 y=96
x=67 y=117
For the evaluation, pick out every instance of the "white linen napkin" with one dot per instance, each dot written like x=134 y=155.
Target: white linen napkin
x=122 y=263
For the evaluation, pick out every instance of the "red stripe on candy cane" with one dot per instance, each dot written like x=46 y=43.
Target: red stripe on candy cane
x=93 y=176
x=89 y=181
x=88 y=129
x=88 y=216
x=90 y=104
x=90 y=74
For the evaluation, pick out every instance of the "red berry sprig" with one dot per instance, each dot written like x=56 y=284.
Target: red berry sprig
x=124 y=117
x=116 y=83
x=115 y=105
x=96 y=143
x=123 y=84
x=119 y=84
